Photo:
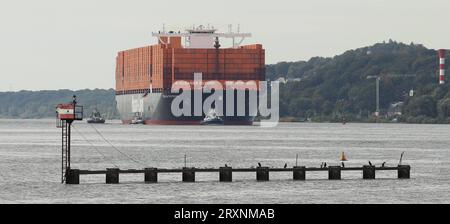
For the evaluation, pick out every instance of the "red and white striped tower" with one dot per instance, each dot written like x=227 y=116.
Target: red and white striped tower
x=441 y=66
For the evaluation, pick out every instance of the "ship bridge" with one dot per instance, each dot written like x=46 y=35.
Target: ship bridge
x=201 y=37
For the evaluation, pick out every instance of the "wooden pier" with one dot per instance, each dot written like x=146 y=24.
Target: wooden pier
x=226 y=173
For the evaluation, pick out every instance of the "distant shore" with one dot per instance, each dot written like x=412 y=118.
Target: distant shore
x=367 y=120
x=282 y=120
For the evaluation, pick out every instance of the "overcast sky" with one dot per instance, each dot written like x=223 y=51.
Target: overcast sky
x=57 y=44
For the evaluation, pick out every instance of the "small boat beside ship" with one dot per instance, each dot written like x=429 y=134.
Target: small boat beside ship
x=137 y=119
x=212 y=119
x=96 y=118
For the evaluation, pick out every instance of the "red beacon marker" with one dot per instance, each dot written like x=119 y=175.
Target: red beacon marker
x=65 y=115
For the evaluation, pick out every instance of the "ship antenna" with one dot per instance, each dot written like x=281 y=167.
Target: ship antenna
x=216 y=43
x=217 y=46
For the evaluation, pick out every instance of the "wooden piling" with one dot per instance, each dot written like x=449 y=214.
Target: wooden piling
x=188 y=174
x=73 y=176
x=226 y=174
x=299 y=173
x=368 y=172
x=262 y=173
x=151 y=175
x=334 y=173
x=112 y=176
x=404 y=171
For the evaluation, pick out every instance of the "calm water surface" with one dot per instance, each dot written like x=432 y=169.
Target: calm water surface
x=30 y=162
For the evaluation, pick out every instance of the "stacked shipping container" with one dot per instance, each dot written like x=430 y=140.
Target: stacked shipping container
x=158 y=66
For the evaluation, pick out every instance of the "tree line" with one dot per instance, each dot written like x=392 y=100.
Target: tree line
x=41 y=104
x=334 y=88
x=326 y=89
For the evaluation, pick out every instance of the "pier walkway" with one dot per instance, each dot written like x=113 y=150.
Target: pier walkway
x=226 y=173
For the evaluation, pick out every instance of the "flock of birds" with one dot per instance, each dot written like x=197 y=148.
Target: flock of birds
x=323 y=165
x=343 y=158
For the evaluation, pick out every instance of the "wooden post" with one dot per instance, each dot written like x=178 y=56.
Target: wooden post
x=151 y=175
x=73 y=176
x=299 y=173
x=226 y=174
x=404 y=171
x=112 y=176
x=334 y=173
x=188 y=175
x=368 y=172
x=262 y=174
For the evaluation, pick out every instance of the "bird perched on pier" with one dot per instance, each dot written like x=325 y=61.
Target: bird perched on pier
x=285 y=165
x=384 y=164
x=259 y=164
x=343 y=165
x=321 y=165
x=324 y=165
x=226 y=165
x=370 y=164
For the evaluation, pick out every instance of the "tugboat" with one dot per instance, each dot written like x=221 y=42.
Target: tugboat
x=212 y=119
x=96 y=118
x=137 y=119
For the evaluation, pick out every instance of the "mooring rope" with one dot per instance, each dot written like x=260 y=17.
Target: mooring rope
x=106 y=140
x=96 y=149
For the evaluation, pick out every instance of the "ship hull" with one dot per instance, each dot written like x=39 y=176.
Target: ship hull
x=155 y=109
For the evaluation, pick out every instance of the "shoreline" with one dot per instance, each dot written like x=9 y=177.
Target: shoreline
x=282 y=121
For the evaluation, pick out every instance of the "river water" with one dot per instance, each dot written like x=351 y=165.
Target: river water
x=30 y=162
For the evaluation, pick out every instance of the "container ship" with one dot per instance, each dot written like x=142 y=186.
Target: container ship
x=145 y=75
